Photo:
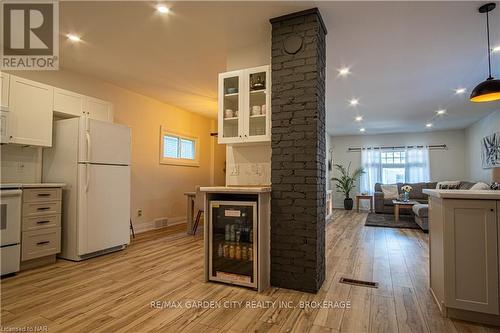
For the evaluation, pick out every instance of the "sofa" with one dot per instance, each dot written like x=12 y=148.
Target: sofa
x=420 y=212
x=385 y=206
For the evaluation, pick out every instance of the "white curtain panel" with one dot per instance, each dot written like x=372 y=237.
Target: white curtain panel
x=370 y=161
x=417 y=165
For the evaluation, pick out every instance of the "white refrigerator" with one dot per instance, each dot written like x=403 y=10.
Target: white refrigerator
x=93 y=158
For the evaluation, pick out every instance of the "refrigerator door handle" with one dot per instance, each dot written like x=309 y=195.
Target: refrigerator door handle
x=87 y=183
x=87 y=135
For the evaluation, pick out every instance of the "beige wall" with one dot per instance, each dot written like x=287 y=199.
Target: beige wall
x=155 y=188
x=444 y=164
x=473 y=136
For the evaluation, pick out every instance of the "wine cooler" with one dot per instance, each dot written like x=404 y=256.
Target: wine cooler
x=233 y=244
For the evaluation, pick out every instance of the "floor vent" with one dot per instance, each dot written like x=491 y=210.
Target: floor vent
x=360 y=283
x=160 y=222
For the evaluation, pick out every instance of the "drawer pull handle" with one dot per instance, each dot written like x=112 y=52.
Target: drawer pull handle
x=43 y=208
x=44 y=194
x=42 y=222
x=43 y=243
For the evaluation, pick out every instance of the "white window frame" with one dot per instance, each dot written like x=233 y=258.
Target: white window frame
x=393 y=165
x=179 y=161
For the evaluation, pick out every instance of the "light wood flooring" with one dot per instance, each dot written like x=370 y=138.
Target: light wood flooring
x=113 y=293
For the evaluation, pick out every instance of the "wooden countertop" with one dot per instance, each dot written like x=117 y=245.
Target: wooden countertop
x=236 y=189
x=464 y=194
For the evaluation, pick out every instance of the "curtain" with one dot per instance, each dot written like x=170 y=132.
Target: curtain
x=417 y=165
x=370 y=161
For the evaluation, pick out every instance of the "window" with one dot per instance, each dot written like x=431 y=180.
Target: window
x=407 y=165
x=178 y=149
x=393 y=164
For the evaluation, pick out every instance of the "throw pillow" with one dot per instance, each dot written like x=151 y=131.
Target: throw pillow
x=480 y=186
x=448 y=185
x=390 y=191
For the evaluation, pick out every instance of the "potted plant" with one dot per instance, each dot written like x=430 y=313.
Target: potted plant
x=346 y=182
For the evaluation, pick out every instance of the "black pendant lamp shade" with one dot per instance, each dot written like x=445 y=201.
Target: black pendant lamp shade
x=486 y=91
x=489 y=90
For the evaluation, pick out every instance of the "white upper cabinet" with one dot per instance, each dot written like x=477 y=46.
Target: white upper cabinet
x=68 y=103
x=98 y=109
x=71 y=104
x=30 y=116
x=244 y=106
x=4 y=87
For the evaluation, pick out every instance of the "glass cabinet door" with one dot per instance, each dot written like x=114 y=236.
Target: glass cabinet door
x=233 y=245
x=258 y=103
x=230 y=106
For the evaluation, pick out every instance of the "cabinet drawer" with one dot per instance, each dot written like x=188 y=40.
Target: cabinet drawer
x=42 y=194
x=41 y=208
x=40 y=243
x=41 y=222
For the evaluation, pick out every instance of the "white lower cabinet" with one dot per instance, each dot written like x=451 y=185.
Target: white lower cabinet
x=41 y=225
x=30 y=115
x=464 y=258
x=471 y=271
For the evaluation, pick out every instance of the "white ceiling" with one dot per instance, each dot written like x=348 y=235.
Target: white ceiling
x=406 y=57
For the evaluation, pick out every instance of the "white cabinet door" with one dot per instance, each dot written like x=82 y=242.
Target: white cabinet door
x=4 y=87
x=231 y=90
x=68 y=103
x=30 y=116
x=4 y=126
x=257 y=115
x=99 y=110
x=471 y=270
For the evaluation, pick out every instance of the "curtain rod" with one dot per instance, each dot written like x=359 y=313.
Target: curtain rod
x=433 y=147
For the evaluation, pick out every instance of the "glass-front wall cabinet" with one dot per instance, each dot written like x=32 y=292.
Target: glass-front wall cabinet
x=244 y=106
x=231 y=106
x=257 y=103
x=233 y=242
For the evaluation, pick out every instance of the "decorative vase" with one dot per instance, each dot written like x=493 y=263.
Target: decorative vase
x=406 y=196
x=348 y=203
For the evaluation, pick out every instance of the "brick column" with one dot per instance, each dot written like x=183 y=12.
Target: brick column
x=298 y=151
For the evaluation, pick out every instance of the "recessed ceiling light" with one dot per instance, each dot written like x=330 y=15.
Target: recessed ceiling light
x=460 y=91
x=73 y=38
x=353 y=102
x=359 y=118
x=344 y=71
x=362 y=129
x=441 y=112
x=496 y=49
x=428 y=125
x=162 y=9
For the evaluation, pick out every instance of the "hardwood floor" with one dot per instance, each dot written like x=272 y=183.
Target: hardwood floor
x=113 y=293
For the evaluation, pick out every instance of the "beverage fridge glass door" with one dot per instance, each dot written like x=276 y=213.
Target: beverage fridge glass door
x=233 y=242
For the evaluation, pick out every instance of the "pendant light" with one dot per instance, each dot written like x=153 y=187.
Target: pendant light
x=489 y=90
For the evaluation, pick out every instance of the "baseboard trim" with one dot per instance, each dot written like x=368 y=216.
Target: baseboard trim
x=139 y=228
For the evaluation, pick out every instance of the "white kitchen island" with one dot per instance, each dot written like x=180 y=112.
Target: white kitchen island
x=464 y=233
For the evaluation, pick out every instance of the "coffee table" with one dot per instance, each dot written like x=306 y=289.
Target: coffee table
x=398 y=204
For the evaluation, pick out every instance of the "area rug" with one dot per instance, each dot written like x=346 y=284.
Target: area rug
x=387 y=221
